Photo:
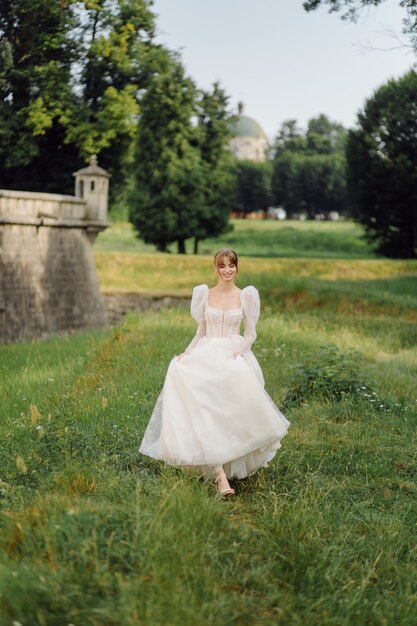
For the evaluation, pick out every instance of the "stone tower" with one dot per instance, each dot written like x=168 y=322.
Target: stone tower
x=92 y=185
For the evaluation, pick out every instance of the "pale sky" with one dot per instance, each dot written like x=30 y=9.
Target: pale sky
x=282 y=62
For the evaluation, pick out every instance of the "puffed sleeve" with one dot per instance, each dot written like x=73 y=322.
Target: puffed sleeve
x=200 y=294
x=251 y=309
x=198 y=300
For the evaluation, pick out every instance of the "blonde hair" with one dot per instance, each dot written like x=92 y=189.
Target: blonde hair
x=229 y=254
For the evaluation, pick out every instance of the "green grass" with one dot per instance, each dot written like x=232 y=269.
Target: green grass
x=94 y=534
x=261 y=238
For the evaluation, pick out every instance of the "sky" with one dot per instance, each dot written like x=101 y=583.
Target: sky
x=282 y=62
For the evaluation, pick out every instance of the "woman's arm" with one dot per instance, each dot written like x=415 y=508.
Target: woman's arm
x=251 y=309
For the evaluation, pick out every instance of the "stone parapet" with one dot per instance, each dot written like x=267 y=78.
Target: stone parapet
x=95 y=225
x=32 y=204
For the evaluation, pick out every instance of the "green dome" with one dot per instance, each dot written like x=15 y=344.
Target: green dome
x=245 y=126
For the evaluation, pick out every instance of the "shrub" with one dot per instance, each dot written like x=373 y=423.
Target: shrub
x=330 y=376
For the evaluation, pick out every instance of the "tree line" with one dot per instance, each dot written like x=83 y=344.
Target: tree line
x=87 y=77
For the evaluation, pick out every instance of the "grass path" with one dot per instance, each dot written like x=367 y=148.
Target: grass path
x=93 y=534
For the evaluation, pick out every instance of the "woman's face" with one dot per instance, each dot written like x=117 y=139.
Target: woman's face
x=226 y=270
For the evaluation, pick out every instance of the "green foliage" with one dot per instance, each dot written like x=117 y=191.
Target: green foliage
x=167 y=169
x=253 y=187
x=331 y=376
x=34 y=82
x=381 y=154
x=309 y=168
x=182 y=182
x=325 y=137
x=70 y=86
x=218 y=179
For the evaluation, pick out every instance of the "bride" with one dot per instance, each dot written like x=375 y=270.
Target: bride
x=213 y=413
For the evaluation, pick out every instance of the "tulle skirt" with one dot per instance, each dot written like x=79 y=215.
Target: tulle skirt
x=214 y=411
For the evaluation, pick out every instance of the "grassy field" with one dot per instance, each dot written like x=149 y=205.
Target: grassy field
x=93 y=534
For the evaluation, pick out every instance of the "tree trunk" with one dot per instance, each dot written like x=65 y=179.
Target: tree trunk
x=196 y=242
x=181 y=246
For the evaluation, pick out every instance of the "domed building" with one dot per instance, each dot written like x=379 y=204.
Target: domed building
x=248 y=140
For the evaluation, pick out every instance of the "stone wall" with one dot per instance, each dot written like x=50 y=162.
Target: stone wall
x=48 y=280
x=117 y=305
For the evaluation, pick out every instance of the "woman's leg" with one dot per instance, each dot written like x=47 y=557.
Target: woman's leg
x=222 y=483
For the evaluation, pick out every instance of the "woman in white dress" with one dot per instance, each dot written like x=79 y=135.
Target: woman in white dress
x=213 y=413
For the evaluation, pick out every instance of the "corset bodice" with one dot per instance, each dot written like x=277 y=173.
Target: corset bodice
x=213 y=322
x=222 y=323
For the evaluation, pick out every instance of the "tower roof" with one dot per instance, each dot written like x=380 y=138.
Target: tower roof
x=93 y=169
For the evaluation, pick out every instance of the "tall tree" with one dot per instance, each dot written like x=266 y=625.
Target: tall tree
x=309 y=168
x=325 y=137
x=117 y=58
x=253 y=187
x=70 y=83
x=286 y=181
x=216 y=160
x=290 y=138
x=35 y=83
x=168 y=175
x=382 y=172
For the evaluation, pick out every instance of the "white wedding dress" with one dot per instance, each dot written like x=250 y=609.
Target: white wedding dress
x=213 y=409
